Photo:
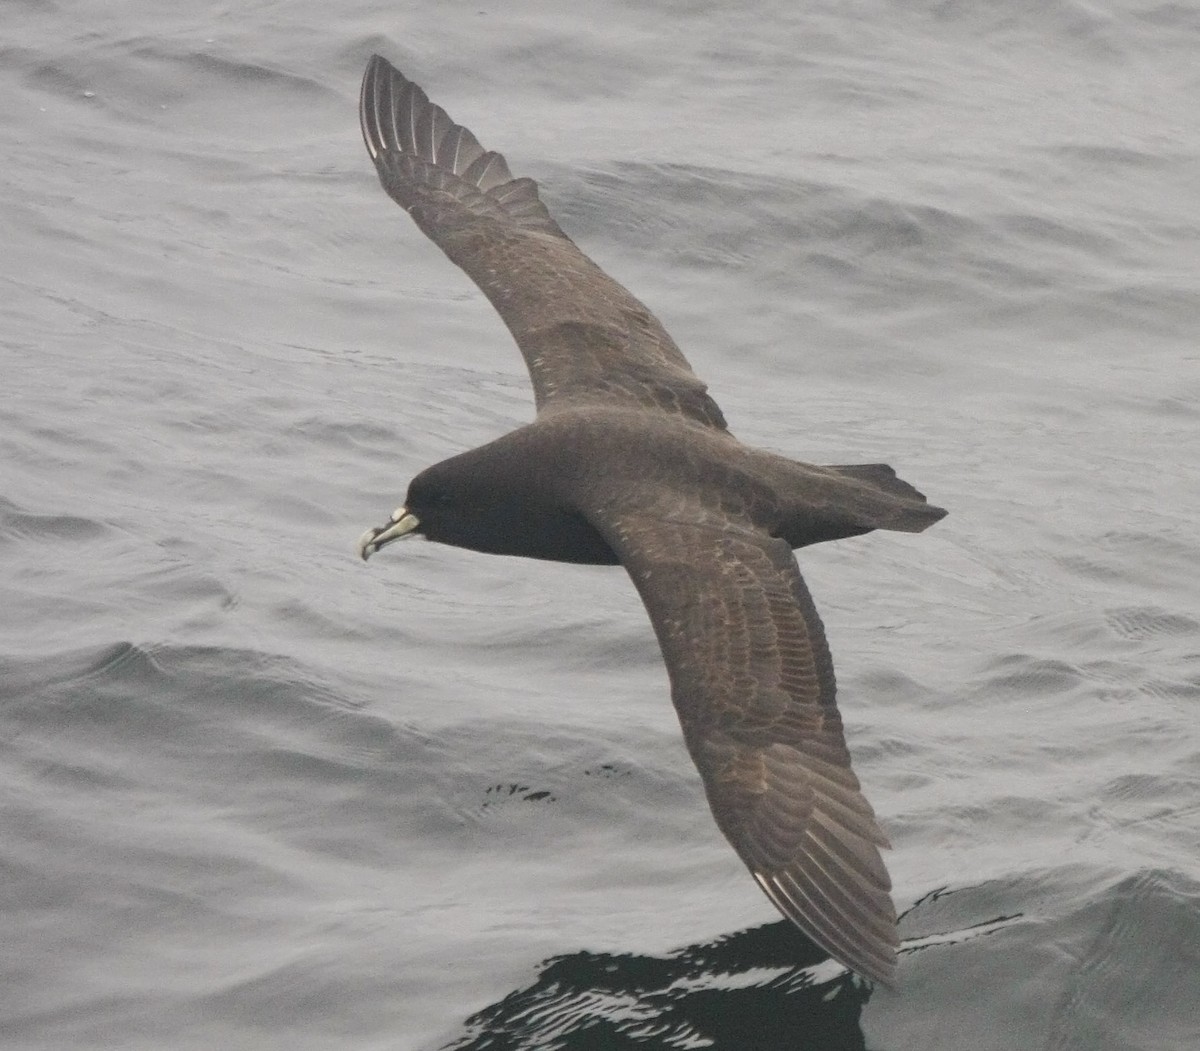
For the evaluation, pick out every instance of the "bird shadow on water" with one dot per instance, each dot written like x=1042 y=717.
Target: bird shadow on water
x=767 y=988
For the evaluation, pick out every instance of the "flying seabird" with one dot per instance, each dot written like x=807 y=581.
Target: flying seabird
x=629 y=462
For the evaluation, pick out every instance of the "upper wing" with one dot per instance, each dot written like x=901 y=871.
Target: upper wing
x=583 y=336
x=752 y=681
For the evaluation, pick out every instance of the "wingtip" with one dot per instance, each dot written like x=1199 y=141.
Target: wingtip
x=368 y=119
x=868 y=953
x=423 y=157
x=377 y=63
x=381 y=82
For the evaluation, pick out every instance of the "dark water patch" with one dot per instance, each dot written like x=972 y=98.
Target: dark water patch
x=764 y=988
x=757 y=989
x=18 y=525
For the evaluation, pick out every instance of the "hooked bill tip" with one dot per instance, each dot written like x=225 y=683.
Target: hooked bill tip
x=402 y=524
x=366 y=544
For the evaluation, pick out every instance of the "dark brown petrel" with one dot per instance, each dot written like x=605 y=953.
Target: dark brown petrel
x=629 y=462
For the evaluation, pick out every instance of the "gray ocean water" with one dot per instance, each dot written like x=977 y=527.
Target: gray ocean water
x=255 y=794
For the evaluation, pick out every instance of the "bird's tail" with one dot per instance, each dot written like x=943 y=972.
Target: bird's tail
x=905 y=509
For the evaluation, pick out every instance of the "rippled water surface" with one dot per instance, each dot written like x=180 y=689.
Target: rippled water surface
x=256 y=795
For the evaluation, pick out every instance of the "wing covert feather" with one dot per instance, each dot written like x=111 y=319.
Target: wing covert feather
x=752 y=680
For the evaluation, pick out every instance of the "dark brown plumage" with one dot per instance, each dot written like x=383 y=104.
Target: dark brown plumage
x=629 y=461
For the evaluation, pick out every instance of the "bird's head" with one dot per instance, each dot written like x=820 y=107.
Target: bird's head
x=495 y=500
x=457 y=502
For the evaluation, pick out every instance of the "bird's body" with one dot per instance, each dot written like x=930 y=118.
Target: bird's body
x=630 y=462
x=537 y=484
